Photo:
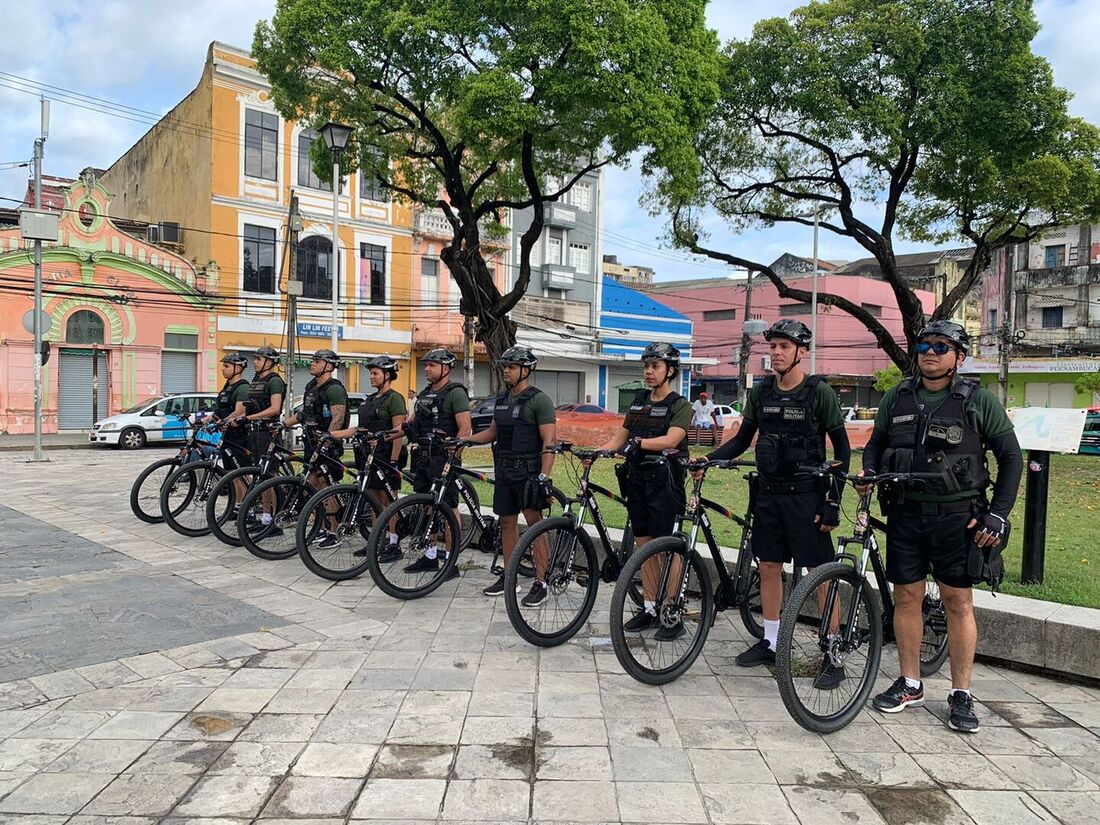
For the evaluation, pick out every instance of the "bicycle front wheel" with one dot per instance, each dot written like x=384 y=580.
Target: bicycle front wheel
x=659 y=649
x=331 y=530
x=933 y=647
x=426 y=551
x=570 y=575
x=183 y=497
x=826 y=667
x=267 y=522
x=145 y=492
x=225 y=499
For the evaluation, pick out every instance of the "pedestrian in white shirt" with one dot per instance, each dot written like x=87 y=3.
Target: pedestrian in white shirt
x=703 y=412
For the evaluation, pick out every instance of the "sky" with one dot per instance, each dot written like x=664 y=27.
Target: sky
x=148 y=54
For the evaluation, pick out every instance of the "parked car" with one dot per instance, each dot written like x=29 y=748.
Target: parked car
x=481 y=413
x=354 y=400
x=726 y=415
x=1090 y=438
x=586 y=409
x=161 y=419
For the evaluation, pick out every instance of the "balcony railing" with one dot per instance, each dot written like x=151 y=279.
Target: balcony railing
x=1057 y=276
x=434 y=224
x=544 y=312
x=1067 y=336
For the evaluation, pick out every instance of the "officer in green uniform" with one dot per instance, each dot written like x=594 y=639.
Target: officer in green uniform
x=382 y=412
x=792 y=516
x=230 y=407
x=523 y=430
x=265 y=395
x=324 y=412
x=653 y=485
x=936 y=422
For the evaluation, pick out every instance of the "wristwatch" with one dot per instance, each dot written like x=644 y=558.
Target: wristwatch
x=543 y=477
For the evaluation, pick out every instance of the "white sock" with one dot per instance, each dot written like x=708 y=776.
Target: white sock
x=912 y=683
x=432 y=551
x=392 y=538
x=265 y=518
x=650 y=607
x=771 y=633
x=960 y=690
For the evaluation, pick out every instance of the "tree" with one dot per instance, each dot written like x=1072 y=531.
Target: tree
x=929 y=117
x=1089 y=382
x=476 y=108
x=887 y=378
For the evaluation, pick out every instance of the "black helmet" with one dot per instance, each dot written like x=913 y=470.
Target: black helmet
x=236 y=359
x=792 y=330
x=328 y=356
x=953 y=332
x=386 y=363
x=439 y=356
x=267 y=351
x=519 y=355
x=666 y=352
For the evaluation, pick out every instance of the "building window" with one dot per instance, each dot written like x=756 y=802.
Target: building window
x=306 y=175
x=720 y=315
x=370 y=188
x=181 y=340
x=259 y=259
x=429 y=282
x=795 y=309
x=261 y=145
x=992 y=319
x=874 y=309
x=1052 y=317
x=315 y=268
x=84 y=327
x=372 y=265
x=1055 y=256
x=581 y=196
x=553 y=250
x=579 y=257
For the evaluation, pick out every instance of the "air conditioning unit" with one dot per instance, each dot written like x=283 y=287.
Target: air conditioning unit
x=152 y=233
x=170 y=232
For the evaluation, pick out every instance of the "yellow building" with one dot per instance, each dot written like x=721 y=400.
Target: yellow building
x=216 y=174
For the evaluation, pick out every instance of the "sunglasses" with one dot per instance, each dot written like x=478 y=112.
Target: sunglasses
x=939 y=348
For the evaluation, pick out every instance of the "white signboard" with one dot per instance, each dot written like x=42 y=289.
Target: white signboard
x=1049 y=429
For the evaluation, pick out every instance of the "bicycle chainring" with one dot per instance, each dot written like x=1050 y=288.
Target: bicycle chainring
x=610 y=570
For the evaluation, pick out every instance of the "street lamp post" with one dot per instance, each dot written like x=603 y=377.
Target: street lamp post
x=813 y=301
x=336 y=137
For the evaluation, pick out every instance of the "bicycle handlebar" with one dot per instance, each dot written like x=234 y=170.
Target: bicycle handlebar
x=835 y=470
x=721 y=464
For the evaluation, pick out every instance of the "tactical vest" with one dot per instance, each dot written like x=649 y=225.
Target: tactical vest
x=944 y=439
x=651 y=419
x=369 y=419
x=224 y=405
x=259 y=393
x=315 y=412
x=790 y=434
x=428 y=412
x=516 y=437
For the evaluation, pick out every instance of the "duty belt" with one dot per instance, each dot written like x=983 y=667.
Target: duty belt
x=936 y=508
x=516 y=462
x=794 y=485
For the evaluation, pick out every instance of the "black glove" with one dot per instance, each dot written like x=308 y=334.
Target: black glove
x=829 y=511
x=546 y=489
x=632 y=448
x=994 y=526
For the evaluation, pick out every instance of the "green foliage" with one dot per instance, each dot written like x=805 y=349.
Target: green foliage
x=887 y=378
x=1088 y=383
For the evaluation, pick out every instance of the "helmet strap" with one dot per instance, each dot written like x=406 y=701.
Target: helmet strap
x=783 y=373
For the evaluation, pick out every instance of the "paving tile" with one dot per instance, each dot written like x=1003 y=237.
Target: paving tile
x=1071 y=808
x=701 y=707
x=747 y=804
x=494 y=762
x=227 y=796
x=54 y=793
x=281 y=727
x=1044 y=773
x=289 y=700
x=173 y=757
x=257 y=758
x=580 y=801
x=1030 y=715
x=353 y=727
x=1000 y=806
x=964 y=772
x=141 y=795
x=237 y=700
x=435 y=703
x=824 y=806
x=1066 y=741
x=574 y=764
x=715 y=733
x=729 y=766
x=136 y=724
x=99 y=756
x=650 y=765
x=809 y=768
x=562 y=731
x=495 y=730
x=215 y=726
x=400 y=799
x=414 y=762
x=1006 y=741
x=891 y=770
x=647 y=733
x=917 y=806
x=487 y=799
x=26 y=755
x=64 y=724
x=318 y=796
x=574 y=705
x=913 y=739
x=502 y=703
x=351 y=761
x=669 y=802
x=13 y=721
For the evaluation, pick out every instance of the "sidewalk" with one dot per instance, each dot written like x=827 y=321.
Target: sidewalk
x=50 y=441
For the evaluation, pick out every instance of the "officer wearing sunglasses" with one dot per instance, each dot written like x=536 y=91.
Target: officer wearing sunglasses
x=937 y=422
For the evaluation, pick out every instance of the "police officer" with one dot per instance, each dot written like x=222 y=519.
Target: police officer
x=792 y=516
x=383 y=411
x=324 y=412
x=441 y=409
x=231 y=406
x=523 y=429
x=931 y=422
x=265 y=395
x=658 y=419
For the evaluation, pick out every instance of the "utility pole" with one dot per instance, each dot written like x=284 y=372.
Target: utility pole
x=1005 y=332
x=746 y=345
x=293 y=291
x=39 y=147
x=468 y=351
x=813 y=301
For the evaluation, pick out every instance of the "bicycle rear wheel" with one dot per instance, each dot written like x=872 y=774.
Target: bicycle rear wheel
x=665 y=650
x=826 y=674
x=349 y=516
x=465 y=513
x=267 y=523
x=183 y=497
x=933 y=647
x=572 y=576
x=223 y=503
x=423 y=529
x=145 y=491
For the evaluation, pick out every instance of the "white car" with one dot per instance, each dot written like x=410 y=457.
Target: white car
x=155 y=419
x=726 y=415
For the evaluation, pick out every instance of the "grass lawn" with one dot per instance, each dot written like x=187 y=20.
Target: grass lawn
x=1072 y=570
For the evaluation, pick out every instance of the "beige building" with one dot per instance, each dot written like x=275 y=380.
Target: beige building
x=638 y=277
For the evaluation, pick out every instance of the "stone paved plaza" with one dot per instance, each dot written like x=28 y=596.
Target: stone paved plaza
x=149 y=677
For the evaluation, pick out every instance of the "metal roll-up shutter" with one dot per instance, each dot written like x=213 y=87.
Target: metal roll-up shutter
x=74 y=396
x=562 y=387
x=301 y=378
x=178 y=372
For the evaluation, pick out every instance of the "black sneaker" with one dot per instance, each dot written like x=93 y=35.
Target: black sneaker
x=391 y=553
x=535 y=596
x=829 y=676
x=327 y=540
x=422 y=565
x=643 y=620
x=899 y=696
x=454 y=574
x=668 y=634
x=760 y=653
x=497 y=588
x=962 y=717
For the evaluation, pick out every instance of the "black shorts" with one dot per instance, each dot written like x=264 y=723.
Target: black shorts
x=427 y=466
x=333 y=451
x=783 y=528
x=387 y=470
x=916 y=543
x=654 y=498
x=512 y=490
x=258 y=442
x=236 y=452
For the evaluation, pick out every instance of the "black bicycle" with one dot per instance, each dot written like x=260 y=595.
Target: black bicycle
x=680 y=582
x=184 y=494
x=145 y=491
x=347 y=513
x=223 y=503
x=850 y=642
x=562 y=546
x=267 y=522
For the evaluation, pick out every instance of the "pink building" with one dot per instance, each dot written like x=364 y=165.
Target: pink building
x=846 y=351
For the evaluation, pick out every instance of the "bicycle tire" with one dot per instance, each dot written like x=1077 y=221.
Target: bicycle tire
x=467 y=523
x=316 y=559
x=933 y=648
x=222 y=526
x=627 y=541
x=751 y=608
x=380 y=571
x=703 y=591
x=200 y=478
x=790 y=667
x=288 y=492
x=587 y=578
x=138 y=494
